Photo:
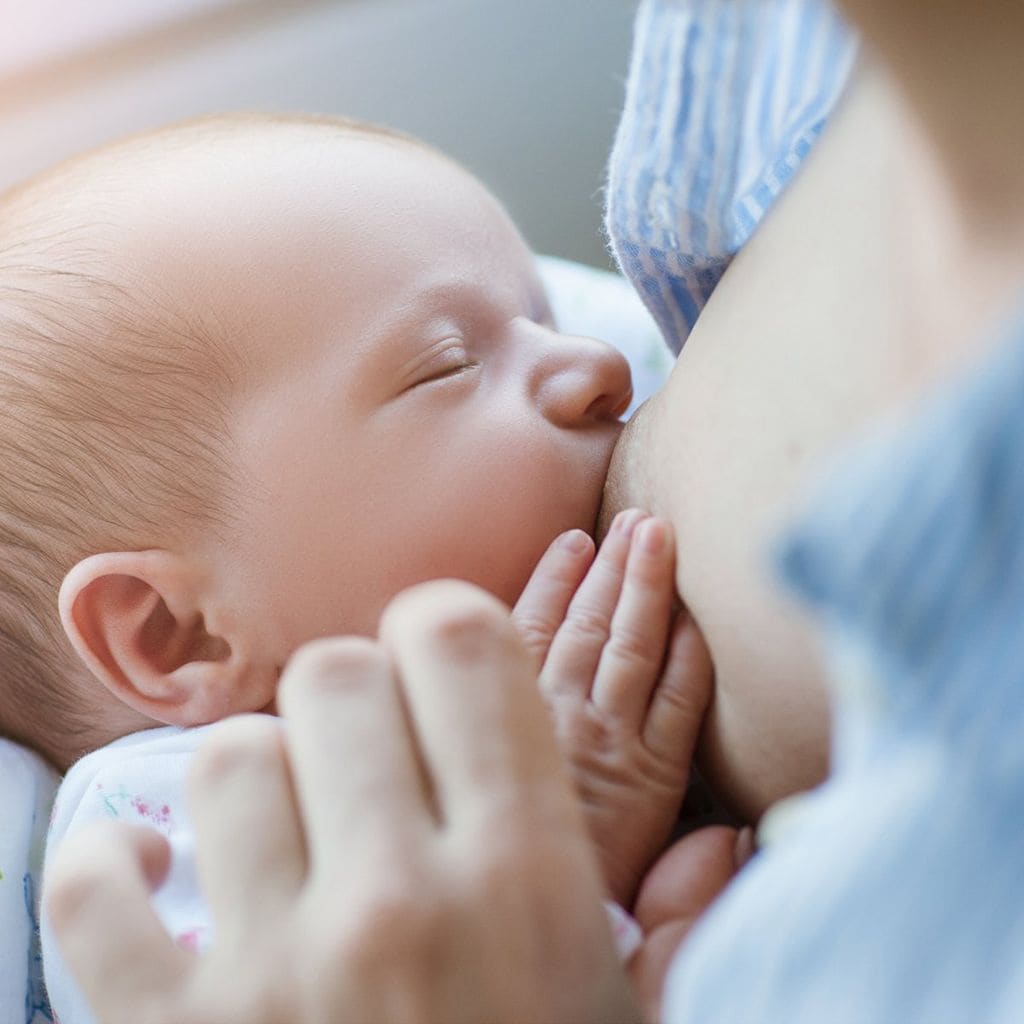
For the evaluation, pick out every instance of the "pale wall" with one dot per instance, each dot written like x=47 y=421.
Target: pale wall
x=527 y=92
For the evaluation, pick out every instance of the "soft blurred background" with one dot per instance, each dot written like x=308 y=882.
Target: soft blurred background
x=525 y=92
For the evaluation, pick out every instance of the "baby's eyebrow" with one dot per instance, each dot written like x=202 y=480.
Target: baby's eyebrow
x=457 y=297
x=457 y=307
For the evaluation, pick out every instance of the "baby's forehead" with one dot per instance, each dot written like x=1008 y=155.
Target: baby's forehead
x=231 y=239
x=177 y=216
x=229 y=157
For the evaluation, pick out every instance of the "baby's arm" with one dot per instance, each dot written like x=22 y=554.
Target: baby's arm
x=628 y=681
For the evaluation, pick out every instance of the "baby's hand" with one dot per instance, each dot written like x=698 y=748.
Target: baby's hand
x=627 y=684
x=683 y=883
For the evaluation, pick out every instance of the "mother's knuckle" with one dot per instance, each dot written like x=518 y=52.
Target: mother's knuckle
x=334 y=654
x=473 y=631
x=239 y=745
x=330 y=664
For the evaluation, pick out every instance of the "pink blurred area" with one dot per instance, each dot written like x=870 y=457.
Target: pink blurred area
x=525 y=93
x=39 y=32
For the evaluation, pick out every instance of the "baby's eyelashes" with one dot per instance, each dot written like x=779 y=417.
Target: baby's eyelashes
x=449 y=372
x=442 y=359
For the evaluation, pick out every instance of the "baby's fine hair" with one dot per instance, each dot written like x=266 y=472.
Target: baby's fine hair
x=114 y=432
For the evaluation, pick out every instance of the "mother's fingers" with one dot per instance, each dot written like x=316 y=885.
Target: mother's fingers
x=98 y=899
x=240 y=788
x=354 y=762
x=480 y=721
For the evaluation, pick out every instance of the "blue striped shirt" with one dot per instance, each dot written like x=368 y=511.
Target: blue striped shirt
x=724 y=100
x=891 y=896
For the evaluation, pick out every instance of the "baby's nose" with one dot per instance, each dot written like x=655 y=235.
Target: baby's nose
x=582 y=380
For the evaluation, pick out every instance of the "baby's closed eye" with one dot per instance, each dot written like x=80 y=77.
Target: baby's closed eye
x=445 y=359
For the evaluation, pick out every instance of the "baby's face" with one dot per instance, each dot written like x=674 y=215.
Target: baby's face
x=405 y=409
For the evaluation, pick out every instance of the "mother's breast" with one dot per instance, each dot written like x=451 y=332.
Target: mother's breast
x=799 y=346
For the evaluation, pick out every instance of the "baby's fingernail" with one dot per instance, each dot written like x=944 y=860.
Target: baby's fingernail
x=651 y=537
x=626 y=521
x=575 y=542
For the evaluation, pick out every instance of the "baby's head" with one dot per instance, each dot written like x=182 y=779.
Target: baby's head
x=257 y=374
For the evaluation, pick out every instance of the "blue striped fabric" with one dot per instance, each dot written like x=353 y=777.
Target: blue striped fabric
x=930 y=573
x=724 y=100
x=895 y=893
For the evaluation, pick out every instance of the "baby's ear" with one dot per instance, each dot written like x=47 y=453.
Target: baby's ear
x=137 y=619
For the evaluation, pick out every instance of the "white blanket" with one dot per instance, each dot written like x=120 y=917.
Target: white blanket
x=27 y=788
x=140 y=780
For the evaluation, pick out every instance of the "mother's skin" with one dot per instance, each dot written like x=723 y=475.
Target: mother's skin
x=802 y=342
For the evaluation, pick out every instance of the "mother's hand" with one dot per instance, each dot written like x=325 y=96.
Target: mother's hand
x=408 y=848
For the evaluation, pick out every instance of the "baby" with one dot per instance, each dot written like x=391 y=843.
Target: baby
x=260 y=374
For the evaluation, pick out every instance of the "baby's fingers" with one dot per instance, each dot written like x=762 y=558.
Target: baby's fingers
x=576 y=648
x=681 y=697
x=631 y=661
x=541 y=607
